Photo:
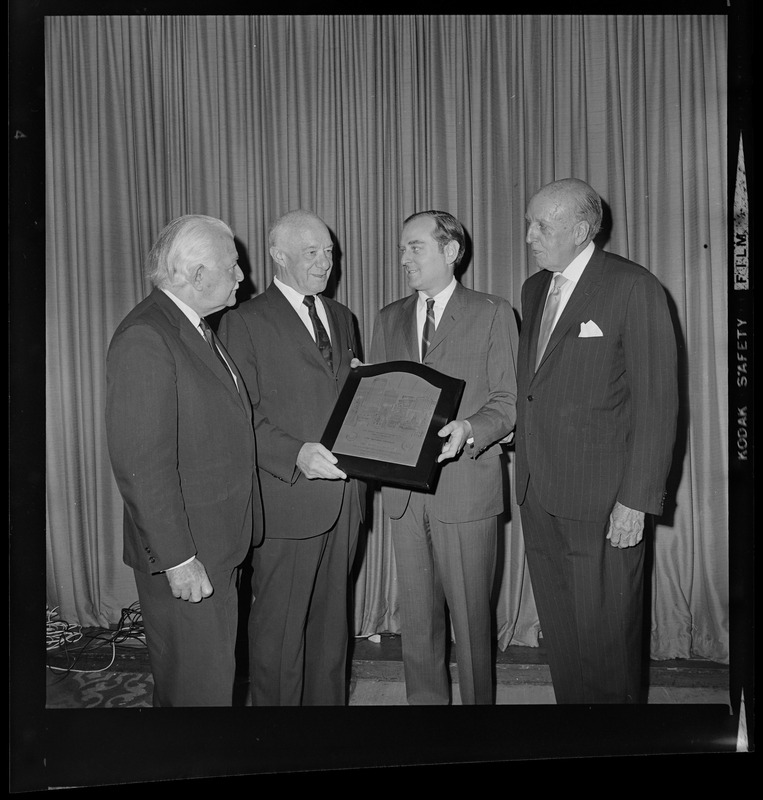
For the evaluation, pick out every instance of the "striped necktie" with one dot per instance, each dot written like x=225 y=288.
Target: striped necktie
x=428 y=333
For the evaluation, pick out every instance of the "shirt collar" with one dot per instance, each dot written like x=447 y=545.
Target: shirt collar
x=575 y=268
x=294 y=297
x=440 y=299
x=194 y=318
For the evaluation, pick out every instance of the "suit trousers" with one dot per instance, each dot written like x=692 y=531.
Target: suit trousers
x=299 y=621
x=589 y=597
x=191 y=646
x=445 y=567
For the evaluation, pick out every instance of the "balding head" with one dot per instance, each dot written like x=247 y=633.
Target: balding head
x=562 y=219
x=575 y=198
x=302 y=248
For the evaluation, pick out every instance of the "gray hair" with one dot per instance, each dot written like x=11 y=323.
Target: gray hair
x=182 y=245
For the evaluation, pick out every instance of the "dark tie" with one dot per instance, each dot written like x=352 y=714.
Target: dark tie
x=209 y=335
x=321 y=337
x=426 y=336
x=549 y=315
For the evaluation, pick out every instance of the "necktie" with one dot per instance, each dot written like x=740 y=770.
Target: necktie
x=428 y=333
x=321 y=337
x=210 y=337
x=549 y=315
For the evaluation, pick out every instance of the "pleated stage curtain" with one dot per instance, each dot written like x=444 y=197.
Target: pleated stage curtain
x=365 y=119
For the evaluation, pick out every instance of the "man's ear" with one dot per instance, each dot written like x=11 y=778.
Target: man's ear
x=276 y=255
x=451 y=251
x=580 y=231
x=196 y=277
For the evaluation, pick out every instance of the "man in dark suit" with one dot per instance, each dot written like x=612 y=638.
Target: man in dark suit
x=294 y=350
x=182 y=449
x=596 y=421
x=445 y=542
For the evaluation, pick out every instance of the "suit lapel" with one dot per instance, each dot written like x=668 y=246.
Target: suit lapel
x=299 y=333
x=449 y=319
x=409 y=330
x=195 y=342
x=535 y=304
x=198 y=344
x=584 y=292
x=242 y=393
x=338 y=348
x=403 y=337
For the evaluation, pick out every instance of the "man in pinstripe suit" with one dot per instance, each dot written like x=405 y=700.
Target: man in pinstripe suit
x=445 y=542
x=596 y=421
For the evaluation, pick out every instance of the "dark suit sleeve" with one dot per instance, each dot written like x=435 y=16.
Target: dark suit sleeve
x=378 y=352
x=649 y=347
x=498 y=415
x=277 y=451
x=141 y=427
x=356 y=346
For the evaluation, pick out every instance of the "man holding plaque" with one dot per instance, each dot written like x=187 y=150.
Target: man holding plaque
x=445 y=541
x=294 y=349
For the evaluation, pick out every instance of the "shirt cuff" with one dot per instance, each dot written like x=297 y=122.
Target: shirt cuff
x=187 y=561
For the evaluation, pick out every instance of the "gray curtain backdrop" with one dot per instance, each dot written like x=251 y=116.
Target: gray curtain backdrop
x=366 y=119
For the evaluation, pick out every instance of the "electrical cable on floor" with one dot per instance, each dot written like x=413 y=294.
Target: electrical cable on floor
x=61 y=635
x=59 y=632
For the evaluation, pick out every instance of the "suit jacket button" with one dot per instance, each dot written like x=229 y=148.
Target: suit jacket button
x=530 y=397
x=152 y=560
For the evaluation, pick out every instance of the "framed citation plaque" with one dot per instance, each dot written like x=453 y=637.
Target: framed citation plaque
x=384 y=424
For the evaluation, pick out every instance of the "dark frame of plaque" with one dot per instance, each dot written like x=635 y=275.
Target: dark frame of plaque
x=422 y=474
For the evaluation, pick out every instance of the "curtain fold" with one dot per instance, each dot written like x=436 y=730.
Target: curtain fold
x=365 y=119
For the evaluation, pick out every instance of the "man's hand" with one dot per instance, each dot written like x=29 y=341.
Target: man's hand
x=626 y=526
x=356 y=362
x=190 y=581
x=316 y=461
x=457 y=432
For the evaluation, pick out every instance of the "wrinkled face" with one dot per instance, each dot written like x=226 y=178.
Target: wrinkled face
x=552 y=233
x=220 y=274
x=428 y=268
x=304 y=255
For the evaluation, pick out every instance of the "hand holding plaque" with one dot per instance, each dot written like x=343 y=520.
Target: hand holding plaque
x=385 y=424
x=455 y=435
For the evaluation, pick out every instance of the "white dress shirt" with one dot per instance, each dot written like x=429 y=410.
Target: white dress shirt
x=440 y=301
x=296 y=299
x=572 y=273
x=194 y=318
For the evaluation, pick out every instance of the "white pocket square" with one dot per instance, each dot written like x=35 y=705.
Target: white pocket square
x=588 y=329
